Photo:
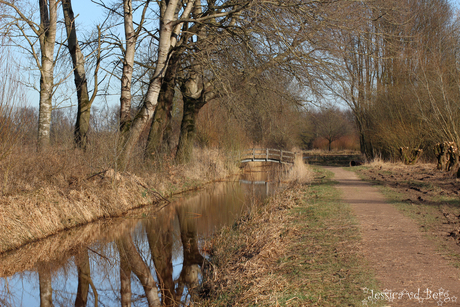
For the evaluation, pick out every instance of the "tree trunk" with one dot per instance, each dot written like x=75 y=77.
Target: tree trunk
x=78 y=61
x=188 y=129
x=84 y=276
x=128 y=64
x=130 y=255
x=129 y=140
x=156 y=142
x=48 y=20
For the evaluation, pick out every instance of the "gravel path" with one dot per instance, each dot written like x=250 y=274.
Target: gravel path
x=403 y=259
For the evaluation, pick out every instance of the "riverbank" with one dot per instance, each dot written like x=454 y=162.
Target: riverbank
x=301 y=248
x=43 y=195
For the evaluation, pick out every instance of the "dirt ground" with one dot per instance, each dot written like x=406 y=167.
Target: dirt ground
x=408 y=262
x=424 y=187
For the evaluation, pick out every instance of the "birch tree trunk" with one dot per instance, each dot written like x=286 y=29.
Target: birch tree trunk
x=128 y=64
x=166 y=40
x=157 y=141
x=47 y=37
x=78 y=61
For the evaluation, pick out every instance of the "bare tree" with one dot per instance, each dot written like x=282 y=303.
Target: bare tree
x=45 y=32
x=13 y=122
x=81 y=83
x=131 y=37
x=159 y=141
x=330 y=123
x=168 y=32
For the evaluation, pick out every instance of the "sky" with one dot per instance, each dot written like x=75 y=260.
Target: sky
x=87 y=12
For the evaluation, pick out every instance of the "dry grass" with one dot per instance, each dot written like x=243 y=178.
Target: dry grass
x=249 y=260
x=44 y=193
x=300 y=172
x=209 y=164
x=49 y=209
x=380 y=164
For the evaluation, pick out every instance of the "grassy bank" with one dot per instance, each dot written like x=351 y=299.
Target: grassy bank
x=42 y=194
x=301 y=248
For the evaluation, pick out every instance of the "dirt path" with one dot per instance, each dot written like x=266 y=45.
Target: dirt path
x=401 y=256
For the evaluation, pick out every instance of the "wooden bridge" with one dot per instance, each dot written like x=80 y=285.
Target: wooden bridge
x=268 y=155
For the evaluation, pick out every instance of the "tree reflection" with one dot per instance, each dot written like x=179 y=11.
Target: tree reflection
x=192 y=258
x=160 y=239
x=131 y=261
x=125 y=283
x=44 y=280
x=127 y=248
x=160 y=234
x=84 y=279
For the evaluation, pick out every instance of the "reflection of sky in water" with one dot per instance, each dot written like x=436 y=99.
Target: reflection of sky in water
x=24 y=287
x=208 y=210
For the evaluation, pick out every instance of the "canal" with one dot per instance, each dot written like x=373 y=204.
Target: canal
x=151 y=255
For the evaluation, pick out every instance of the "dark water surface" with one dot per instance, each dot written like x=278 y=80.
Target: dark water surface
x=151 y=254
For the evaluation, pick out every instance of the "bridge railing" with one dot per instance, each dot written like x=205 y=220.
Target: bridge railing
x=267 y=155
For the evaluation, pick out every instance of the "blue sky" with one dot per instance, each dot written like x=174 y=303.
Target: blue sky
x=89 y=13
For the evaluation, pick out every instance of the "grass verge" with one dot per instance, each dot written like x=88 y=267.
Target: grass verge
x=301 y=248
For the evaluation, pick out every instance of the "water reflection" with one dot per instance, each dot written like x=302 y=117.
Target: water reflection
x=150 y=258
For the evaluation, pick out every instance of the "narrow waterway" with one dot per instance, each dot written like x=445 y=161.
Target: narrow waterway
x=151 y=255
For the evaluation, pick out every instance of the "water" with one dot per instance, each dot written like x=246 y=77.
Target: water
x=165 y=246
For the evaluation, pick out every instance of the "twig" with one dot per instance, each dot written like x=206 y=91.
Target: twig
x=96 y=174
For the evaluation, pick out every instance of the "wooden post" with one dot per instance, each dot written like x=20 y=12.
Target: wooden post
x=281 y=156
x=267 y=156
